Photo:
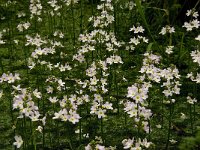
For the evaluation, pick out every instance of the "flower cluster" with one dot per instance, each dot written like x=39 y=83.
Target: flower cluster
x=172 y=84
x=167 y=29
x=139 y=92
x=195 y=56
x=128 y=5
x=149 y=68
x=190 y=100
x=137 y=39
x=194 y=78
x=23 y=101
x=96 y=37
x=192 y=23
x=137 y=107
x=59 y=34
x=70 y=2
x=35 y=9
x=40 y=50
x=81 y=79
x=68 y=110
x=23 y=26
x=169 y=49
x=9 y=78
x=105 y=18
x=55 y=6
x=133 y=144
x=97 y=144
x=21 y=14
x=98 y=107
x=170 y=76
x=99 y=42
x=35 y=41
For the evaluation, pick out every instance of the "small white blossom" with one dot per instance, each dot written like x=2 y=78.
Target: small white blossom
x=167 y=29
x=198 y=38
x=190 y=100
x=169 y=49
x=18 y=141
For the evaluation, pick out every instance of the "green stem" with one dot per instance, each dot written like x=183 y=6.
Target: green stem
x=191 y=119
x=80 y=128
x=34 y=140
x=102 y=135
x=73 y=24
x=169 y=125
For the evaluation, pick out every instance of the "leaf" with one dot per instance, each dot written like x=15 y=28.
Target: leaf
x=149 y=47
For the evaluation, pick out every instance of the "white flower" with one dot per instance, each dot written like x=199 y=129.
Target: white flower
x=88 y=147
x=198 y=38
x=195 y=56
x=61 y=83
x=127 y=143
x=134 y=41
x=100 y=147
x=39 y=128
x=169 y=49
x=37 y=94
x=49 y=89
x=192 y=13
x=101 y=113
x=108 y=105
x=195 y=14
x=26 y=25
x=171 y=30
x=163 y=31
x=16 y=41
x=2 y=42
x=189 y=12
x=58 y=115
x=94 y=80
x=183 y=116
x=18 y=140
x=195 y=23
x=192 y=24
x=77 y=131
x=146 y=143
x=167 y=29
x=86 y=135
x=138 y=29
x=190 y=100
x=158 y=126
x=188 y=26
x=173 y=100
x=20 y=27
x=173 y=141
x=53 y=100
